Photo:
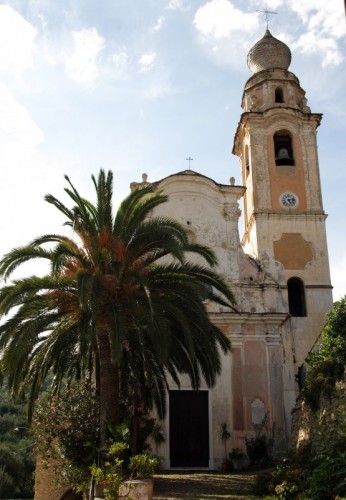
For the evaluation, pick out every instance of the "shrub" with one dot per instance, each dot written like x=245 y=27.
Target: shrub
x=259 y=447
x=17 y=461
x=143 y=466
x=117 y=468
x=66 y=431
x=318 y=472
x=320 y=379
x=333 y=339
x=327 y=366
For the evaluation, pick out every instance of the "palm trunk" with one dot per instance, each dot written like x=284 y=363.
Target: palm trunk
x=109 y=384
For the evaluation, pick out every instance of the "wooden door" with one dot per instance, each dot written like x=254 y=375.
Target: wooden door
x=189 y=428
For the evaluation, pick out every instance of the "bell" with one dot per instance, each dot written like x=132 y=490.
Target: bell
x=283 y=154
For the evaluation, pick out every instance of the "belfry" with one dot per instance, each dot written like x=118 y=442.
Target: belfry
x=283 y=212
x=278 y=270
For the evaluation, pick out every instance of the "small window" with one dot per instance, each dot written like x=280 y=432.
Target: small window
x=296 y=297
x=279 y=95
x=283 y=149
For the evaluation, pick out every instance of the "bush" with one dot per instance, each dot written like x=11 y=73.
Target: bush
x=17 y=462
x=118 y=467
x=66 y=431
x=333 y=339
x=320 y=380
x=317 y=472
x=259 y=447
x=328 y=365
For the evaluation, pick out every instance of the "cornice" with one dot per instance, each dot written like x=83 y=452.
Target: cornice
x=242 y=318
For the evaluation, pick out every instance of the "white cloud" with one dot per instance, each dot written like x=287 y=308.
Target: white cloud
x=120 y=57
x=310 y=43
x=81 y=66
x=225 y=31
x=338 y=274
x=17 y=42
x=159 y=23
x=146 y=61
x=18 y=132
x=175 y=5
x=321 y=27
x=157 y=88
x=43 y=21
x=25 y=174
x=328 y=17
x=219 y=18
x=325 y=26
x=120 y=68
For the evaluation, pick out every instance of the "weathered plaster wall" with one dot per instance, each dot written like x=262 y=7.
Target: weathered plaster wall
x=254 y=381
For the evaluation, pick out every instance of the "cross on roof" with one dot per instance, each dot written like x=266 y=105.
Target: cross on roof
x=189 y=159
x=267 y=13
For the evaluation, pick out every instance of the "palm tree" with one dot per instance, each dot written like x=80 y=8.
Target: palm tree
x=119 y=292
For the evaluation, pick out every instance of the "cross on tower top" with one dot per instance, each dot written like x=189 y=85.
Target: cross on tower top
x=189 y=159
x=267 y=12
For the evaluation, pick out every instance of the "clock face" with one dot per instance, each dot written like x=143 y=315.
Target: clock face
x=289 y=200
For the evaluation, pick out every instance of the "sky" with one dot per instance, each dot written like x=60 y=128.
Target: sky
x=138 y=86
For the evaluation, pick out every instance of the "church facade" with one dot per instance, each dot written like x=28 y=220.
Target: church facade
x=278 y=270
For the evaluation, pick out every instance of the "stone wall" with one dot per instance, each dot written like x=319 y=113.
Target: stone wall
x=305 y=422
x=45 y=487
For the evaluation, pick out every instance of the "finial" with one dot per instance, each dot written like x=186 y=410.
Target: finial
x=267 y=12
x=189 y=159
x=232 y=181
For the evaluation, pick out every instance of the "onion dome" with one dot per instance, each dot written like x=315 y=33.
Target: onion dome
x=268 y=53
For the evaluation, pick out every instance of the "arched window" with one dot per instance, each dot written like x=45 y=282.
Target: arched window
x=247 y=161
x=283 y=148
x=279 y=95
x=296 y=297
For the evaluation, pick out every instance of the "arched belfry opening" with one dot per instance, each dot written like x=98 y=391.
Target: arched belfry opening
x=279 y=95
x=283 y=149
x=296 y=297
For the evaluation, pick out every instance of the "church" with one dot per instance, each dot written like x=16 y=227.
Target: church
x=277 y=267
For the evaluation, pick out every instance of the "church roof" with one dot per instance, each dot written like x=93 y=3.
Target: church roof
x=268 y=53
x=197 y=174
x=236 y=189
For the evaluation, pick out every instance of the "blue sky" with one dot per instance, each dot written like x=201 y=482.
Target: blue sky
x=139 y=85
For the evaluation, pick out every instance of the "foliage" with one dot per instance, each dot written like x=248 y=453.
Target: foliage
x=285 y=481
x=224 y=436
x=111 y=473
x=16 y=458
x=157 y=434
x=327 y=366
x=320 y=379
x=118 y=467
x=321 y=474
x=316 y=472
x=111 y=304
x=66 y=433
x=143 y=466
x=259 y=447
x=333 y=341
x=328 y=463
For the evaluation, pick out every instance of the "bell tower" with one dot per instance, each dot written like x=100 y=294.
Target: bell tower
x=276 y=142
